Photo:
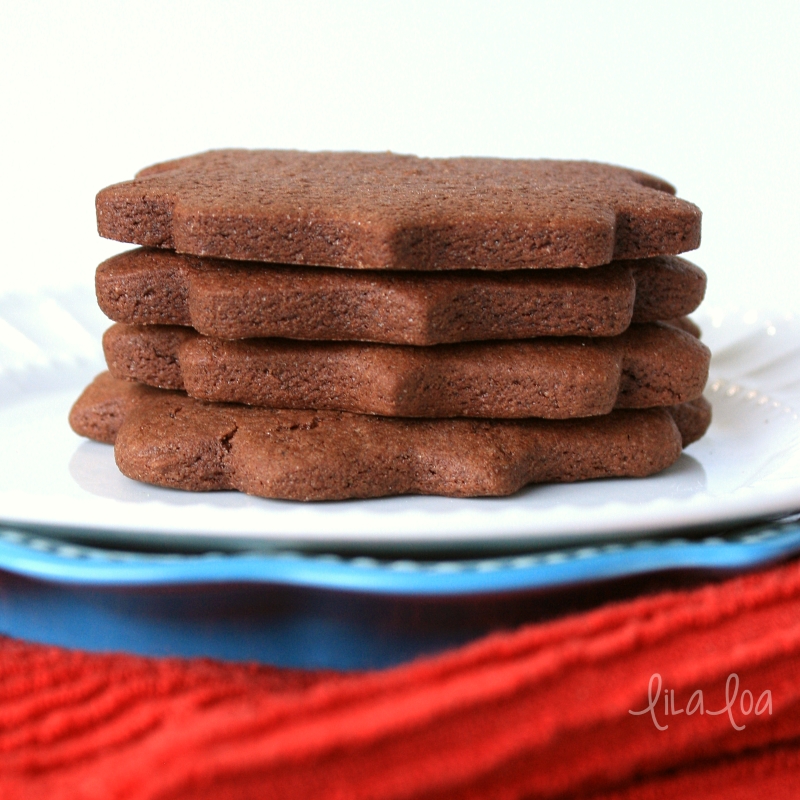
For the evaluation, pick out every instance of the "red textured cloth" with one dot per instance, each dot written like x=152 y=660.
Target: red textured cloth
x=539 y=712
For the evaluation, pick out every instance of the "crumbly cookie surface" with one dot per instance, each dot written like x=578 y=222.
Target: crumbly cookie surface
x=239 y=300
x=648 y=365
x=388 y=211
x=166 y=438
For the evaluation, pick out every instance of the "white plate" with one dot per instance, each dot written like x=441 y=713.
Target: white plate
x=747 y=467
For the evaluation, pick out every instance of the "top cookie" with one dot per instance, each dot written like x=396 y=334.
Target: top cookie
x=387 y=211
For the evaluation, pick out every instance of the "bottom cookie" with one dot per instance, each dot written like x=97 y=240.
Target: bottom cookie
x=169 y=439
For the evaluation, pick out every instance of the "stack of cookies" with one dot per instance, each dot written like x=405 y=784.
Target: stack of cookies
x=323 y=326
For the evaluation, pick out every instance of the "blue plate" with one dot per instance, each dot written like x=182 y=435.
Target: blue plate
x=302 y=610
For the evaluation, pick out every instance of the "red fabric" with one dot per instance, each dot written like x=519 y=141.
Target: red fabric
x=540 y=712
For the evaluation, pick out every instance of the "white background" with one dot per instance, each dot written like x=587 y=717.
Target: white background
x=706 y=95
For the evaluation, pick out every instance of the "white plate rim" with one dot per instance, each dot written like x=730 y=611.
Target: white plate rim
x=411 y=523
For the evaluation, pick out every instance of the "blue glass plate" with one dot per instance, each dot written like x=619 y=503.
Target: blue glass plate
x=53 y=560
x=304 y=610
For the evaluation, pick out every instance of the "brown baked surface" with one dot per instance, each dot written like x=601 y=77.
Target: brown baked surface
x=686 y=324
x=235 y=300
x=171 y=440
x=649 y=365
x=387 y=211
x=692 y=419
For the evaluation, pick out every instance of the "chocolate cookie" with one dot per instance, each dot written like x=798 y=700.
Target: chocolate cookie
x=387 y=211
x=648 y=365
x=236 y=300
x=175 y=441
